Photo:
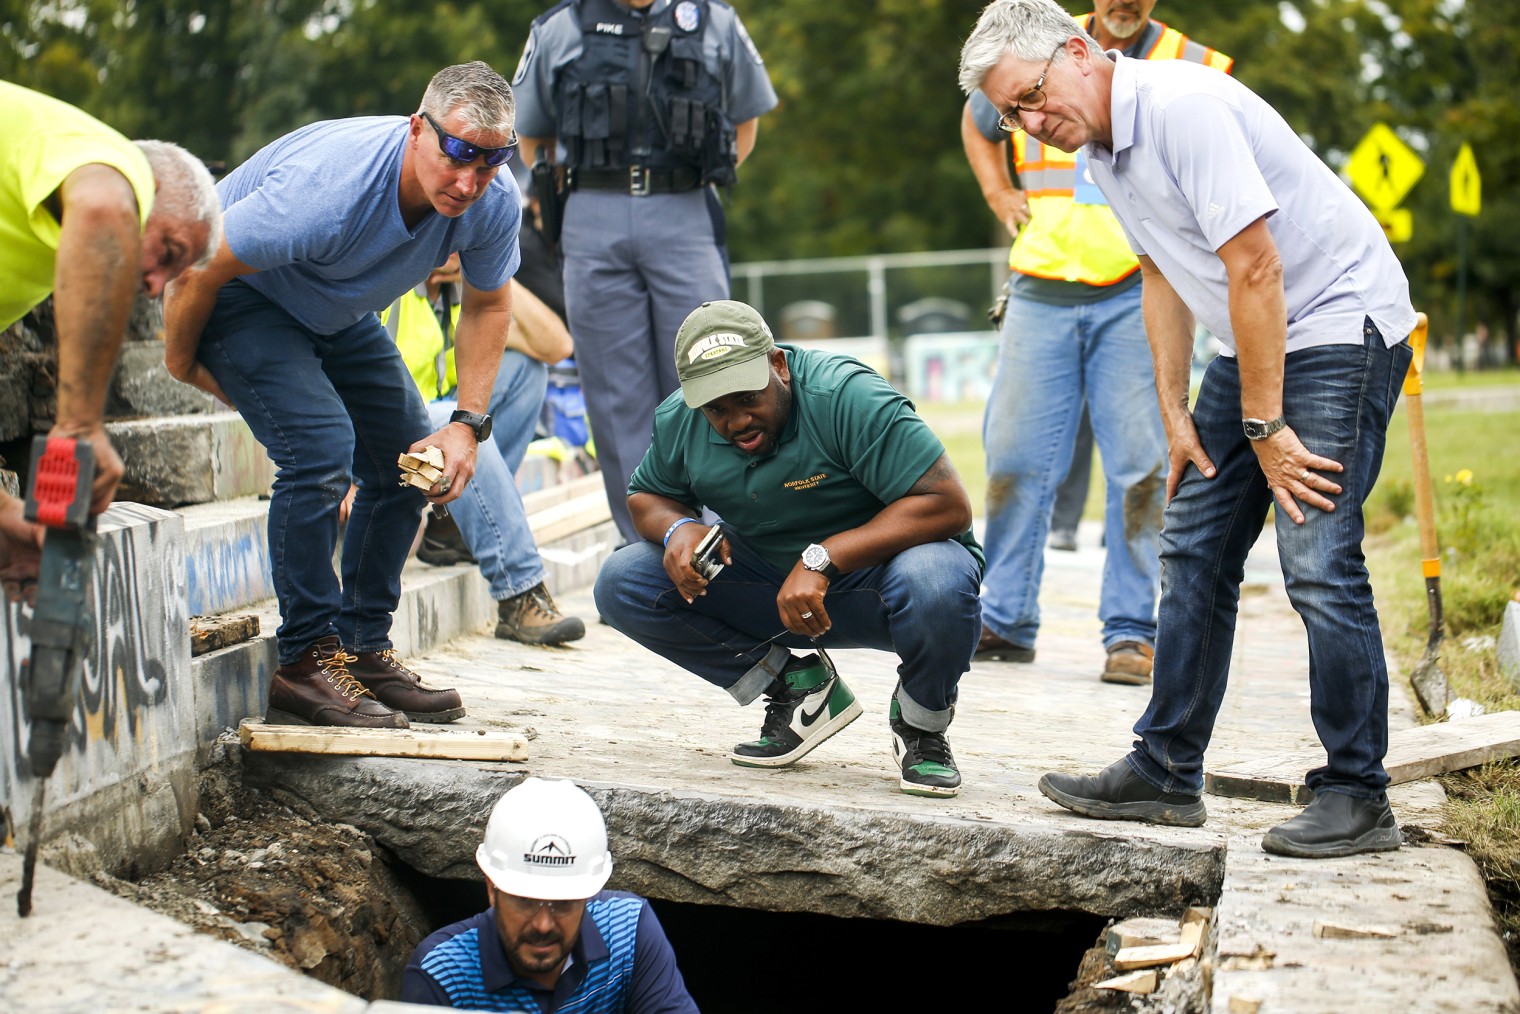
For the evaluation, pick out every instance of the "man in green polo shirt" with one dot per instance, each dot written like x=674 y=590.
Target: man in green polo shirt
x=96 y=219
x=843 y=525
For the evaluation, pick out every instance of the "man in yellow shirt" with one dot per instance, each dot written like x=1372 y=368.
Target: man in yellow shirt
x=94 y=219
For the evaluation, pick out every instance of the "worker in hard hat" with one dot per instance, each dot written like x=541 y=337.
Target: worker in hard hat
x=552 y=939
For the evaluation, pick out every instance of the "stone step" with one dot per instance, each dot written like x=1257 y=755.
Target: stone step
x=227 y=544
x=190 y=459
x=142 y=388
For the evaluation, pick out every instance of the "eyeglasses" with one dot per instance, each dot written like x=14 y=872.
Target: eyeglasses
x=1031 y=101
x=464 y=152
x=529 y=907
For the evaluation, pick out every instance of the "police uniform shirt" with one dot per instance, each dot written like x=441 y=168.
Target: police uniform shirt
x=555 y=42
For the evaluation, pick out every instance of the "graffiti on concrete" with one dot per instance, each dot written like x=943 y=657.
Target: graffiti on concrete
x=125 y=693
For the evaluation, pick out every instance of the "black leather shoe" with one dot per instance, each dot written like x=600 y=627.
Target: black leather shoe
x=1336 y=824
x=1120 y=794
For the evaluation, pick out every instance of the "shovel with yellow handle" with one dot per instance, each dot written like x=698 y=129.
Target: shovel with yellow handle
x=1429 y=682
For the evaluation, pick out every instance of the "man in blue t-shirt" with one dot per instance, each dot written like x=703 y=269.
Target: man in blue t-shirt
x=552 y=940
x=323 y=228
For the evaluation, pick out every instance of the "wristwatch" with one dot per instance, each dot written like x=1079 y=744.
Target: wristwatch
x=816 y=558
x=1260 y=429
x=476 y=421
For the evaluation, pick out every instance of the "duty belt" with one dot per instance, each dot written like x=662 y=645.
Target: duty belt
x=637 y=181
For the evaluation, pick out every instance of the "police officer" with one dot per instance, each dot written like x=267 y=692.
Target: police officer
x=655 y=103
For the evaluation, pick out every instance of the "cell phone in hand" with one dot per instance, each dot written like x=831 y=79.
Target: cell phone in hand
x=707 y=558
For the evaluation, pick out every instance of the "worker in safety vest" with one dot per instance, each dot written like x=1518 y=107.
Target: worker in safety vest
x=1072 y=340
x=489 y=525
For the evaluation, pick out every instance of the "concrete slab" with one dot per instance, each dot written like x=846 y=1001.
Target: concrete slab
x=1441 y=952
x=834 y=834
x=85 y=950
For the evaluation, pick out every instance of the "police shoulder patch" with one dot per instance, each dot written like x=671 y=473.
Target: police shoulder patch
x=754 y=54
x=688 y=16
x=527 y=56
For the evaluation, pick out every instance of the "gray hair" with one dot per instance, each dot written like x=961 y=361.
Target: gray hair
x=186 y=192
x=475 y=92
x=1029 y=30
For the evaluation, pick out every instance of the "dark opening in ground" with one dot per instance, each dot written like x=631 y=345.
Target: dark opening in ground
x=739 y=961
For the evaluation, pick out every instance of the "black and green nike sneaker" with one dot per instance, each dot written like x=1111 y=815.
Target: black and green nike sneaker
x=928 y=769
x=814 y=705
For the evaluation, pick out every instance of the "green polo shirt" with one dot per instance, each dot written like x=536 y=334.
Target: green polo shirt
x=851 y=446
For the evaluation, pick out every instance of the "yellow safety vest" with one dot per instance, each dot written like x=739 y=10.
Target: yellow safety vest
x=1071 y=242
x=419 y=337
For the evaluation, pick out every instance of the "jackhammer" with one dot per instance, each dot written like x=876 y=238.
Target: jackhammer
x=63 y=470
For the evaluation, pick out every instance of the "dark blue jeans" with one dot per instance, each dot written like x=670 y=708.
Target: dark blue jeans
x=1338 y=399
x=324 y=407
x=922 y=605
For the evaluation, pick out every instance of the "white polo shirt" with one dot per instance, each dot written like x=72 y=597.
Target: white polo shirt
x=1196 y=158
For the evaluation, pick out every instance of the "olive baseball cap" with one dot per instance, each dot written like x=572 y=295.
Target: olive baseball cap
x=723 y=347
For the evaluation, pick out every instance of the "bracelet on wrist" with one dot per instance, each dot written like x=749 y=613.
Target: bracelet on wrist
x=672 y=529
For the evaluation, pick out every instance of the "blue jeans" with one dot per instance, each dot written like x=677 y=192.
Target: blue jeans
x=1338 y=399
x=490 y=514
x=1051 y=358
x=325 y=407
x=922 y=605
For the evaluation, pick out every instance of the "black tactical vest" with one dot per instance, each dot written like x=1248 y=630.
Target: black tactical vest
x=640 y=93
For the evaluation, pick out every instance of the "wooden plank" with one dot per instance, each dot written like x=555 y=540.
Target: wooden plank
x=1134 y=982
x=565 y=519
x=440 y=744
x=1142 y=932
x=542 y=499
x=1412 y=754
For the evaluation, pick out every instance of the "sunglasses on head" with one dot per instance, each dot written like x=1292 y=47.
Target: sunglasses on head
x=460 y=150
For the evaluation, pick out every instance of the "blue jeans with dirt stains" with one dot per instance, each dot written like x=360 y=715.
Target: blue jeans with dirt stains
x=1052 y=357
x=490 y=513
x=324 y=406
x=1337 y=399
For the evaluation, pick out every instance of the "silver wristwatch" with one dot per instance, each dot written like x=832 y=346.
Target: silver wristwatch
x=816 y=558
x=1260 y=429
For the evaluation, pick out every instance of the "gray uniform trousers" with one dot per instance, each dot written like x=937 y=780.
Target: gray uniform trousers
x=634 y=268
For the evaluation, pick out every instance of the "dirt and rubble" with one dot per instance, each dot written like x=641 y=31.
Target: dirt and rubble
x=320 y=898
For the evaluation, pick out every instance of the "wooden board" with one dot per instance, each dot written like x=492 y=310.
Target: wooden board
x=208 y=633
x=541 y=499
x=439 y=744
x=1412 y=754
x=571 y=516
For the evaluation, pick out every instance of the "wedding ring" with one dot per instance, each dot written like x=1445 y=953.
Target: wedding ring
x=807 y=616
x=1305 y=477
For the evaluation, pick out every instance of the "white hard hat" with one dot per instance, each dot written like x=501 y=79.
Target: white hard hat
x=546 y=839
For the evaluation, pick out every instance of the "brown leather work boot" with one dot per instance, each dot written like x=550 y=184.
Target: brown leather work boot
x=317 y=689
x=384 y=675
x=533 y=618
x=1129 y=662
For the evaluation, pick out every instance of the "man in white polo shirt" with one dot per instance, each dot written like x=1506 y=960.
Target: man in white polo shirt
x=1235 y=222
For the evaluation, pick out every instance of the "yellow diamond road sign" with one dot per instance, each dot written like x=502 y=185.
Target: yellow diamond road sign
x=1466 y=186
x=1398 y=224
x=1383 y=168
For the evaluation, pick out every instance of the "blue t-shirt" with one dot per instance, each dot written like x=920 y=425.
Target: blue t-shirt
x=318 y=213
x=621 y=964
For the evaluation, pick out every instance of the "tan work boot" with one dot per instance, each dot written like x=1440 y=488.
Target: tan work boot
x=533 y=618
x=396 y=686
x=1129 y=662
x=317 y=689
